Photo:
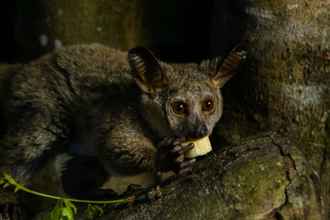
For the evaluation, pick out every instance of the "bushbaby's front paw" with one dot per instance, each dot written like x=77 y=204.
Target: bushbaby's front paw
x=148 y=195
x=182 y=165
x=171 y=153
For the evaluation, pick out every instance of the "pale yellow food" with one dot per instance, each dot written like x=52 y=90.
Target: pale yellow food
x=201 y=147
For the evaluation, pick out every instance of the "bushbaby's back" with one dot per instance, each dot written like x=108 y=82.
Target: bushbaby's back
x=44 y=96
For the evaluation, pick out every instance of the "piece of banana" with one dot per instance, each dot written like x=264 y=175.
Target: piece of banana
x=201 y=147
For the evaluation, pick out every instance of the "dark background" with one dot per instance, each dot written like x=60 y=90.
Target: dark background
x=201 y=29
x=7 y=24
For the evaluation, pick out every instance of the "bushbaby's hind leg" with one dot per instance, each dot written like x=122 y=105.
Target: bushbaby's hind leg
x=35 y=113
x=28 y=143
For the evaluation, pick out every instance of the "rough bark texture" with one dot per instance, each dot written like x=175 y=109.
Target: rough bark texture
x=265 y=177
x=288 y=76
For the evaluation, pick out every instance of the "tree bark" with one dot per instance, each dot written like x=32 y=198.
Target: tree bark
x=290 y=67
x=265 y=177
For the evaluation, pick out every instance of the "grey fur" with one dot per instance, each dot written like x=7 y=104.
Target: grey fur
x=88 y=96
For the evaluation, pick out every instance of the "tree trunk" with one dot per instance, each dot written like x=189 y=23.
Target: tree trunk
x=44 y=25
x=289 y=76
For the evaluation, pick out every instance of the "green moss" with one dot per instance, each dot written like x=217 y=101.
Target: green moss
x=250 y=188
x=253 y=183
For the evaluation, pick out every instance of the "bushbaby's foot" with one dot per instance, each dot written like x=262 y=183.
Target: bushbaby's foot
x=155 y=193
x=149 y=195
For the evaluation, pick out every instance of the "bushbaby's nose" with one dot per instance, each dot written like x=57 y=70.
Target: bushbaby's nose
x=199 y=132
x=195 y=127
x=203 y=131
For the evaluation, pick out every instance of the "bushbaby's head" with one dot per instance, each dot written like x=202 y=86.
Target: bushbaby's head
x=182 y=100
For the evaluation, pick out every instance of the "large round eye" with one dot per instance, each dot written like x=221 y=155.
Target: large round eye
x=180 y=108
x=208 y=105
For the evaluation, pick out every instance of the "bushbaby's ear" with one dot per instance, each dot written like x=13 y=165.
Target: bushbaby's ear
x=222 y=70
x=147 y=71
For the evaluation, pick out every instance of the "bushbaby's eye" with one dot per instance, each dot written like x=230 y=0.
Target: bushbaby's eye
x=180 y=108
x=208 y=105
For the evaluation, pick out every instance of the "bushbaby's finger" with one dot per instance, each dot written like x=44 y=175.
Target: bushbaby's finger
x=177 y=149
x=179 y=140
x=166 y=142
x=182 y=148
x=179 y=159
x=187 y=147
x=185 y=171
x=187 y=163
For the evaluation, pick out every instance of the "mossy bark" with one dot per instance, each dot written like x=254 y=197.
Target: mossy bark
x=289 y=48
x=285 y=84
x=265 y=177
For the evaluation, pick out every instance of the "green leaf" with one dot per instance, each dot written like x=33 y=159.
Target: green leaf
x=93 y=211
x=56 y=212
x=9 y=179
x=16 y=189
x=2 y=181
x=67 y=214
x=70 y=205
x=64 y=208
